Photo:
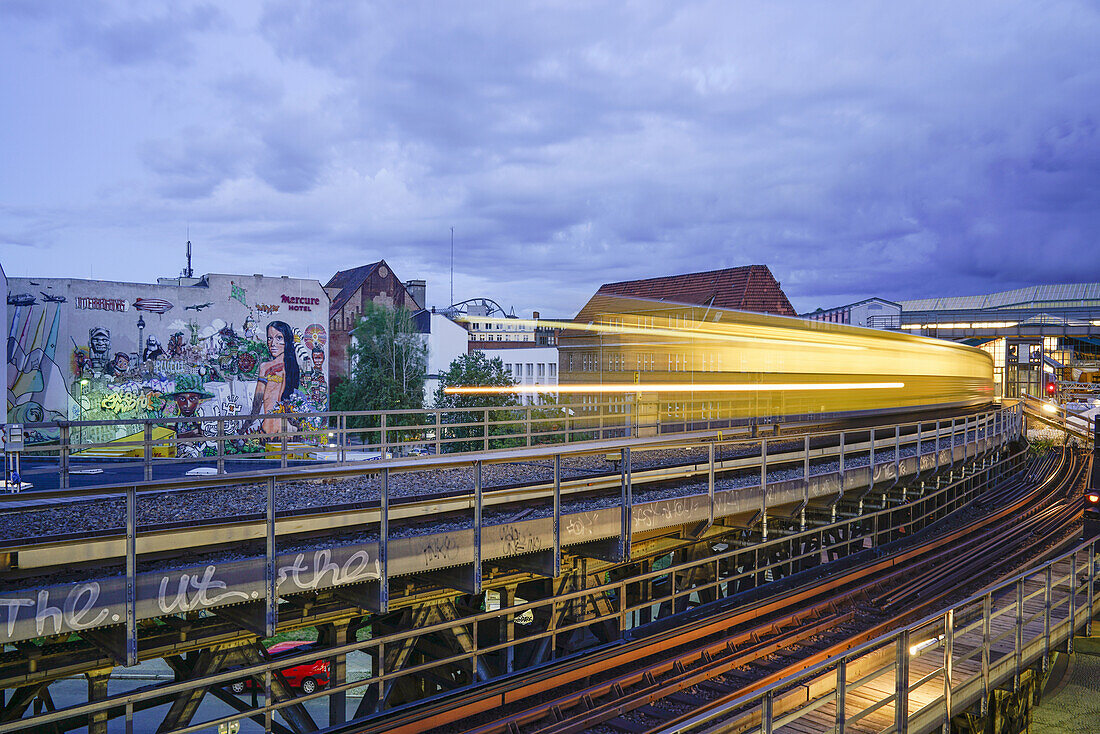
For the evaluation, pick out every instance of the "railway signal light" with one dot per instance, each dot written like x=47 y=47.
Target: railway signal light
x=1052 y=387
x=1093 y=497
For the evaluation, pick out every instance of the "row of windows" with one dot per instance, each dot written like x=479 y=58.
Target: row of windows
x=517 y=370
x=833 y=317
x=500 y=327
x=644 y=362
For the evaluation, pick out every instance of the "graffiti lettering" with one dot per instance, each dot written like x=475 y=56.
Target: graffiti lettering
x=71 y=615
x=518 y=540
x=120 y=402
x=668 y=512
x=202 y=586
x=438 y=550
x=580 y=524
x=101 y=304
x=356 y=568
x=267 y=308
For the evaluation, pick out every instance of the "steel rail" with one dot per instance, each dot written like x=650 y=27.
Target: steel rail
x=639 y=650
x=935 y=590
x=939 y=591
x=44 y=552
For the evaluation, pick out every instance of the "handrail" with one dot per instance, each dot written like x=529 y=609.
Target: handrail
x=883 y=641
x=350 y=469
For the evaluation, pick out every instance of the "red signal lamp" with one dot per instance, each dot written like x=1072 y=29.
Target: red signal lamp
x=1093 y=497
x=1052 y=387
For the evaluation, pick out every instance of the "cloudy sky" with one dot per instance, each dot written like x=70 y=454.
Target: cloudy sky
x=899 y=149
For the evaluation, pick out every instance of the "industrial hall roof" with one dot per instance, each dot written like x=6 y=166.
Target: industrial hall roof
x=1066 y=295
x=745 y=288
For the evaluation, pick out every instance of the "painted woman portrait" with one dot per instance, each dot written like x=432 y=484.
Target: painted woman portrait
x=278 y=378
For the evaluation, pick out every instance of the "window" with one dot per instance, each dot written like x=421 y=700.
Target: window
x=542 y=369
x=553 y=370
x=530 y=370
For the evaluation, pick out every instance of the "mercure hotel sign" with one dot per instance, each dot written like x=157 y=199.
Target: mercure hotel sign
x=301 y=303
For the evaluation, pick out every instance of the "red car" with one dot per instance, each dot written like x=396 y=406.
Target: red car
x=307 y=676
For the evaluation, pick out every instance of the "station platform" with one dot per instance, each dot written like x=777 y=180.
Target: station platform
x=1074 y=706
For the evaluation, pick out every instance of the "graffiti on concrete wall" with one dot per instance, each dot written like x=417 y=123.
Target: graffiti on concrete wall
x=186 y=368
x=36 y=378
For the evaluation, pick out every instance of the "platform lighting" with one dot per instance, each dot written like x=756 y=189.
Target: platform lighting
x=917 y=648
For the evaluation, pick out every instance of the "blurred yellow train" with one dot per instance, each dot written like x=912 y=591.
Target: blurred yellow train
x=690 y=363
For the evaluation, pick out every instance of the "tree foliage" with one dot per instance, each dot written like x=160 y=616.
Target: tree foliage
x=506 y=419
x=389 y=363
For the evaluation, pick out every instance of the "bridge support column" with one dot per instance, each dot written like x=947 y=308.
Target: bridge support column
x=337 y=634
x=97 y=691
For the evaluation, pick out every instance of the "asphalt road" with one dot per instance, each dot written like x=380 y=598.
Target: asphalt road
x=74 y=691
x=44 y=475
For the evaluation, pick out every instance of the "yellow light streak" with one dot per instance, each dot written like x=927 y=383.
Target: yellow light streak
x=670 y=387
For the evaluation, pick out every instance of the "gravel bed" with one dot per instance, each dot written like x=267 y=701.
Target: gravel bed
x=159 y=508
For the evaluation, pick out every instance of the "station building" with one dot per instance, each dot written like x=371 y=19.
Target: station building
x=213 y=345
x=1035 y=335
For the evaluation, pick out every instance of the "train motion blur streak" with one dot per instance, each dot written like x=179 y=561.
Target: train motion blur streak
x=691 y=363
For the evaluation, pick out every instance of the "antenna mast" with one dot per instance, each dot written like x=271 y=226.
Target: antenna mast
x=452 y=264
x=188 y=272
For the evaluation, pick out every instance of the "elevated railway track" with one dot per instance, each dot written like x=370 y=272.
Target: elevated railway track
x=661 y=680
x=556 y=596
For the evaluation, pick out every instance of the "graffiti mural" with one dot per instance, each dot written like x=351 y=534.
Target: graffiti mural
x=131 y=359
x=35 y=379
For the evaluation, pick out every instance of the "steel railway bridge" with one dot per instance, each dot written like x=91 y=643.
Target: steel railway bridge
x=435 y=593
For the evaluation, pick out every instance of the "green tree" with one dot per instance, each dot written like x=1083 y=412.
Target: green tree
x=505 y=418
x=389 y=363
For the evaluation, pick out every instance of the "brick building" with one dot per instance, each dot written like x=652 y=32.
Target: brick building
x=745 y=288
x=585 y=356
x=350 y=291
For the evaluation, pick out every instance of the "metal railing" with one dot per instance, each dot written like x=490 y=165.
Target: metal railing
x=967 y=650
x=794 y=552
x=355 y=435
x=1058 y=417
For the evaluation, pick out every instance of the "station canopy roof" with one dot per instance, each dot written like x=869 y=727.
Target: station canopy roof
x=1066 y=295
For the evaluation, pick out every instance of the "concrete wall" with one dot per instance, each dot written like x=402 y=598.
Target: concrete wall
x=4 y=315
x=104 y=350
x=446 y=343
